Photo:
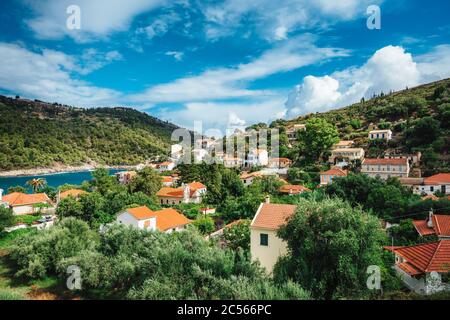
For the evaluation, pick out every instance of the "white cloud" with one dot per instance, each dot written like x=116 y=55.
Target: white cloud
x=225 y=83
x=390 y=68
x=223 y=116
x=99 y=18
x=49 y=76
x=177 y=55
x=275 y=19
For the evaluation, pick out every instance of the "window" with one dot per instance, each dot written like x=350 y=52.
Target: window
x=264 y=239
x=432 y=189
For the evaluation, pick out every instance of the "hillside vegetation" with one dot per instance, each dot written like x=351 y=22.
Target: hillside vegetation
x=419 y=118
x=38 y=134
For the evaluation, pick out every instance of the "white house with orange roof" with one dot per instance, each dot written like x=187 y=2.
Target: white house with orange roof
x=74 y=193
x=422 y=266
x=125 y=177
x=166 y=220
x=165 y=166
x=187 y=193
x=380 y=134
x=265 y=246
x=23 y=203
x=257 y=157
x=326 y=177
x=292 y=189
x=438 y=182
x=282 y=163
x=386 y=168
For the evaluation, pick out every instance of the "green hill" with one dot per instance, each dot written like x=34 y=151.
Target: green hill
x=38 y=134
x=419 y=118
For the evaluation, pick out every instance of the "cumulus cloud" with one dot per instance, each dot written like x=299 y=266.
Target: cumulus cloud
x=390 y=68
x=232 y=82
x=99 y=18
x=177 y=55
x=275 y=19
x=49 y=75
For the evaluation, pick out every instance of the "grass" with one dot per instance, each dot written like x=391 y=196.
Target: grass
x=28 y=219
x=6 y=239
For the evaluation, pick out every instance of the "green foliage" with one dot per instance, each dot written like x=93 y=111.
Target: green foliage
x=147 y=181
x=17 y=189
x=130 y=263
x=60 y=134
x=6 y=218
x=405 y=234
x=330 y=246
x=423 y=132
x=204 y=224
x=237 y=236
x=318 y=137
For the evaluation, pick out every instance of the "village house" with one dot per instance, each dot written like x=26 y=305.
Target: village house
x=23 y=203
x=74 y=193
x=165 y=220
x=421 y=266
x=205 y=143
x=386 y=168
x=412 y=183
x=282 y=163
x=346 y=154
x=291 y=132
x=413 y=158
x=439 y=182
x=435 y=224
x=232 y=162
x=176 y=152
x=380 y=134
x=248 y=177
x=207 y=210
x=167 y=181
x=326 y=177
x=343 y=144
x=257 y=157
x=125 y=177
x=291 y=189
x=265 y=246
x=165 y=166
x=187 y=193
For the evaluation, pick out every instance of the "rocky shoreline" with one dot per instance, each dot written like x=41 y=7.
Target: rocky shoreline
x=58 y=169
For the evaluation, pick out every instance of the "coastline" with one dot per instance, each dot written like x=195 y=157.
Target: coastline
x=58 y=169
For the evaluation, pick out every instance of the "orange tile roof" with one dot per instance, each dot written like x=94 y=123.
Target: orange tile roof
x=430 y=197
x=440 y=178
x=167 y=179
x=165 y=219
x=141 y=213
x=293 y=189
x=272 y=216
x=20 y=199
x=335 y=172
x=72 y=192
x=169 y=218
x=427 y=257
x=246 y=175
x=422 y=227
x=280 y=160
x=178 y=192
x=399 y=161
x=441 y=226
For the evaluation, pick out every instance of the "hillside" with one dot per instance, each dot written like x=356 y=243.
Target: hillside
x=38 y=134
x=419 y=118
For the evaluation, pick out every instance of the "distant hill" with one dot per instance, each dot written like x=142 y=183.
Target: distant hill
x=419 y=118
x=38 y=134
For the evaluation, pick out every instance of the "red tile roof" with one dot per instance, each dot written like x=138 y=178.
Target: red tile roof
x=422 y=228
x=427 y=257
x=72 y=193
x=397 y=162
x=335 y=172
x=292 y=189
x=178 y=192
x=430 y=197
x=441 y=226
x=272 y=216
x=165 y=219
x=440 y=178
x=21 y=199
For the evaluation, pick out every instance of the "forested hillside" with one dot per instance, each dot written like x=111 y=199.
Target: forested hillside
x=38 y=134
x=419 y=118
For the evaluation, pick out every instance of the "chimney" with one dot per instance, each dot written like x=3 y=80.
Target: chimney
x=267 y=199
x=430 y=219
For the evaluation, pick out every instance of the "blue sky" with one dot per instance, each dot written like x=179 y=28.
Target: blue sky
x=226 y=63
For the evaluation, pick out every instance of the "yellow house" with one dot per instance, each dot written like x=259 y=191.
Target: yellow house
x=265 y=246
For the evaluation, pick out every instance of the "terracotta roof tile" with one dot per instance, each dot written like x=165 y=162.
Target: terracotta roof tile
x=293 y=189
x=441 y=224
x=440 y=178
x=399 y=161
x=72 y=192
x=272 y=216
x=141 y=213
x=422 y=227
x=165 y=219
x=335 y=172
x=20 y=199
